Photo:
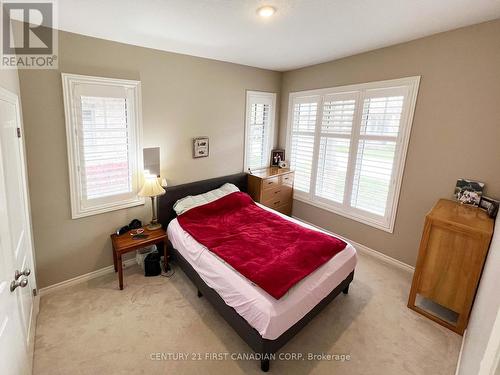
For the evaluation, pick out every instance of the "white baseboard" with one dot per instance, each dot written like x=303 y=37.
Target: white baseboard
x=366 y=250
x=459 y=360
x=384 y=258
x=82 y=278
x=126 y=263
x=31 y=331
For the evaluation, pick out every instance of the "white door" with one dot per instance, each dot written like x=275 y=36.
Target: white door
x=17 y=303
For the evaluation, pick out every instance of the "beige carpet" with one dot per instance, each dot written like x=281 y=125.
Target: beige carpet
x=94 y=328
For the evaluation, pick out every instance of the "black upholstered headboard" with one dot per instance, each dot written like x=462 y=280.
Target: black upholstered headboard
x=166 y=202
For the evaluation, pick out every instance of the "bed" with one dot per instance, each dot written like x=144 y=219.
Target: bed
x=264 y=323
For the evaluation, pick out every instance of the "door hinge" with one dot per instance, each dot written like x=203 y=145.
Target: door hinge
x=34 y=293
x=18 y=132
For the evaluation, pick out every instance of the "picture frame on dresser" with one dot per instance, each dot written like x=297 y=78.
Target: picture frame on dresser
x=490 y=205
x=468 y=192
x=277 y=156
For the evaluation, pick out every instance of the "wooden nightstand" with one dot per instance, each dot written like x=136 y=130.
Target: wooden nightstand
x=125 y=243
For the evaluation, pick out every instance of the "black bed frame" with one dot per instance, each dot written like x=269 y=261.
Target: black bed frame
x=260 y=345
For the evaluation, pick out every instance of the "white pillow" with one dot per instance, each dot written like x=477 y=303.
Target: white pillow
x=192 y=201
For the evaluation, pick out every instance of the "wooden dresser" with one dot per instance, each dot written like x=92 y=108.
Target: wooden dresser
x=452 y=252
x=272 y=187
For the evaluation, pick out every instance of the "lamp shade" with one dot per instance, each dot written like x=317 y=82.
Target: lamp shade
x=151 y=187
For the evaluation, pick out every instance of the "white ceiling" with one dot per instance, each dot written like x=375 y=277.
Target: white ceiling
x=301 y=33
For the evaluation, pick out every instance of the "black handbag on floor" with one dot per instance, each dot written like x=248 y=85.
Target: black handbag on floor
x=152 y=265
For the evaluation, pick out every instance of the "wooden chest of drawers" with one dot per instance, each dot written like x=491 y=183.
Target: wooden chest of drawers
x=272 y=187
x=452 y=252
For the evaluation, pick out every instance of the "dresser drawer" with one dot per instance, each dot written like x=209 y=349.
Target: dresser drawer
x=274 y=203
x=272 y=193
x=270 y=183
x=287 y=179
x=285 y=209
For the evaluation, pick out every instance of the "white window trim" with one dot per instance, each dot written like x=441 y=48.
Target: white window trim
x=69 y=81
x=270 y=141
x=406 y=123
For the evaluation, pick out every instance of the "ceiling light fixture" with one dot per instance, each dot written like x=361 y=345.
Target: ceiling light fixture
x=266 y=11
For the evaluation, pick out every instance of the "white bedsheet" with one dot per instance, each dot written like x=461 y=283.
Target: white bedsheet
x=270 y=317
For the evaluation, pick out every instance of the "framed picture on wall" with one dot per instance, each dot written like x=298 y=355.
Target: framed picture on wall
x=200 y=147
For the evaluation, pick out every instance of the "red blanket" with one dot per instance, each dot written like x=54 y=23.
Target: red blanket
x=272 y=252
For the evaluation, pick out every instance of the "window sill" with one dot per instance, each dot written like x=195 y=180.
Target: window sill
x=386 y=227
x=77 y=213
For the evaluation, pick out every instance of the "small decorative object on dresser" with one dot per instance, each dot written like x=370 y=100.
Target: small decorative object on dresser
x=453 y=249
x=283 y=164
x=276 y=157
x=272 y=187
x=490 y=205
x=469 y=192
x=200 y=147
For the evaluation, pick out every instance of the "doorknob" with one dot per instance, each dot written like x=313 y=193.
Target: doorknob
x=18 y=273
x=15 y=284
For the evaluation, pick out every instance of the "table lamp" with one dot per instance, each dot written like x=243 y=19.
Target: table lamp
x=152 y=188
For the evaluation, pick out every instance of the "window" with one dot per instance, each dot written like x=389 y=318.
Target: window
x=259 y=129
x=103 y=130
x=348 y=147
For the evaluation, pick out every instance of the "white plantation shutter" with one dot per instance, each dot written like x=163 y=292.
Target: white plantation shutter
x=102 y=123
x=380 y=126
x=304 y=118
x=372 y=179
x=338 y=114
x=259 y=129
x=105 y=163
x=382 y=115
x=335 y=140
x=348 y=147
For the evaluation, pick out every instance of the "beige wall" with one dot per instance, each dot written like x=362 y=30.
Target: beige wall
x=456 y=128
x=182 y=96
x=9 y=80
